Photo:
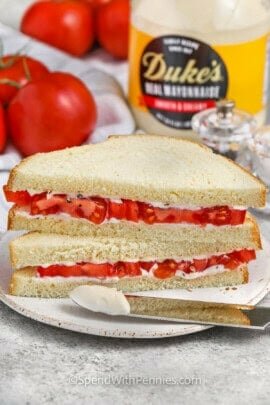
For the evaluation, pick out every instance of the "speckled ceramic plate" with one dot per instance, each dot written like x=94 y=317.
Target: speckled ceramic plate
x=63 y=313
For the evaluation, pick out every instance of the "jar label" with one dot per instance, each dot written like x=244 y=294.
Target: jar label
x=180 y=76
x=173 y=76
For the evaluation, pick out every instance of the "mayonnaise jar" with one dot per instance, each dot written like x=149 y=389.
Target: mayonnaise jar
x=186 y=54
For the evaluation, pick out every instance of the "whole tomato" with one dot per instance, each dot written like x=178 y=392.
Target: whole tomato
x=65 y=24
x=3 y=134
x=51 y=113
x=18 y=69
x=97 y=3
x=112 y=27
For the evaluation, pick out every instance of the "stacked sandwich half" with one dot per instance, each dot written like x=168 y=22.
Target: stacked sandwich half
x=136 y=212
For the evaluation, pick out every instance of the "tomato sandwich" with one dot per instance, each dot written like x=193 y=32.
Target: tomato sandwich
x=137 y=212
x=136 y=186
x=51 y=265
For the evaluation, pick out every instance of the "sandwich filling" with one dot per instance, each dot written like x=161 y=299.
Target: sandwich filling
x=160 y=270
x=100 y=210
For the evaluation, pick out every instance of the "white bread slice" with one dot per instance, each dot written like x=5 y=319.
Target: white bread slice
x=25 y=283
x=142 y=168
x=37 y=249
x=233 y=237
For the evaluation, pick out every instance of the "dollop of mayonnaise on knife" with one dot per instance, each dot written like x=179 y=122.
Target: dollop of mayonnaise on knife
x=102 y=299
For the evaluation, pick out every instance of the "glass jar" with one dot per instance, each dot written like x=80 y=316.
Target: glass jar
x=187 y=54
x=225 y=129
x=259 y=159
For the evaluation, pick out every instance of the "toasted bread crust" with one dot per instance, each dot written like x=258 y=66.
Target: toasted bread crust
x=25 y=283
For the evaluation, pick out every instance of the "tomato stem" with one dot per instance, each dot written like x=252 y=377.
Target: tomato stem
x=26 y=69
x=12 y=59
x=10 y=83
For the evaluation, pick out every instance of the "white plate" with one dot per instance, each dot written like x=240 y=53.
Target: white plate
x=64 y=314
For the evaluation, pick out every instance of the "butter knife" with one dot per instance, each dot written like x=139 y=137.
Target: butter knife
x=187 y=311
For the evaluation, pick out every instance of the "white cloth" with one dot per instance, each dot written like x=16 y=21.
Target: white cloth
x=106 y=77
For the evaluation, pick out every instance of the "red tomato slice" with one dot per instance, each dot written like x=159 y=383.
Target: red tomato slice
x=100 y=212
x=228 y=262
x=21 y=198
x=147 y=213
x=153 y=215
x=83 y=207
x=237 y=217
x=133 y=269
x=116 y=210
x=183 y=266
x=200 y=264
x=132 y=210
x=60 y=270
x=96 y=270
x=244 y=255
x=47 y=203
x=147 y=265
x=41 y=205
x=97 y=209
x=166 y=269
x=232 y=264
x=212 y=261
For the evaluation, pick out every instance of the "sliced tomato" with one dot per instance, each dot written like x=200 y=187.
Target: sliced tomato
x=147 y=213
x=100 y=211
x=60 y=270
x=187 y=216
x=166 y=269
x=237 y=217
x=152 y=215
x=232 y=264
x=147 y=265
x=244 y=255
x=212 y=261
x=96 y=270
x=183 y=266
x=132 y=210
x=87 y=208
x=22 y=198
x=40 y=205
x=96 y=209
x=45 y=203
x=133 y=269
x=200 y=264
x=213 y=215
x=116 y=210
x=228 y=262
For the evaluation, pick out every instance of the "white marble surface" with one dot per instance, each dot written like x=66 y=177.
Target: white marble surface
x=39 y=365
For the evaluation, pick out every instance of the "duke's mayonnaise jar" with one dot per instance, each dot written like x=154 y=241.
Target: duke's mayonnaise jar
x=186 y=54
